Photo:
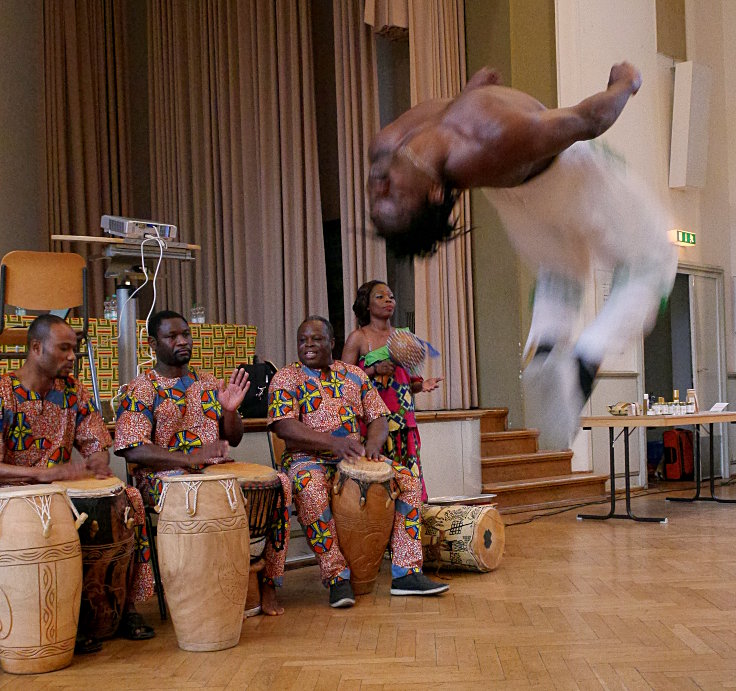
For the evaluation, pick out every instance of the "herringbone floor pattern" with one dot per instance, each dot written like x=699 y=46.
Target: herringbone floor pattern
x=573 y=605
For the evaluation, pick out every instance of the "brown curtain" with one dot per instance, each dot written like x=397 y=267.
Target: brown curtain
x=234 y=161
x=443 y=284
x=363 y=251
x=87 y=144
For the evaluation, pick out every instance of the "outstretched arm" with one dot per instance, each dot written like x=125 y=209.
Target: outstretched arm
x=552 y=131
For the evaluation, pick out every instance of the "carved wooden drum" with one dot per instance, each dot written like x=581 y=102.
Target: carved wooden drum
x=261 y=489
x=204 y=556
x=363 y=508
x=108 y=541
x=462 y=537
x=40 y=579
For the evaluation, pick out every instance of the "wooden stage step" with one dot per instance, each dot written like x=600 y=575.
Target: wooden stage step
x=549 y=491
x=494 y=420
x=508 y=442
x=525 y=466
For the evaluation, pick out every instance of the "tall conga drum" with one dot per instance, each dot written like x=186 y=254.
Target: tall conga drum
x=363 y=508
x=204 y=556
x=470 y=538
x=261 y=488
x=40 y=579
x=108 y=541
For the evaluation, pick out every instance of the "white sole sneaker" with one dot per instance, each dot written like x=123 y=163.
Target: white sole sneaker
x=441 y=588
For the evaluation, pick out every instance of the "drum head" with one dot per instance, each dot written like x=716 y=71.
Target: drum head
x=248 y=472
x=29 y=490
x=467 y=501
x=366 y=469
x=91 y=486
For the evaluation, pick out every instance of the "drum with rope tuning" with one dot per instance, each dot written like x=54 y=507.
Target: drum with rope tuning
x=40 y=579
x=204 y=558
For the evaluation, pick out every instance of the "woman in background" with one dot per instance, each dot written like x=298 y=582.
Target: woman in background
x=366 y=347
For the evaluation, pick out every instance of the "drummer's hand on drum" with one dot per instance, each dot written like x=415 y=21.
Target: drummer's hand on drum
x=347 y=447
x=232 y=394
x=68 y=471
x=206 y=452
x=99 y=464
x=373 y=451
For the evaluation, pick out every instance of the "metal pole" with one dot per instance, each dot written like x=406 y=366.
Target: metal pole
x=127 y=336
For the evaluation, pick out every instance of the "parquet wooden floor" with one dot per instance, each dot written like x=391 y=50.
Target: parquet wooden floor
x=573 y=605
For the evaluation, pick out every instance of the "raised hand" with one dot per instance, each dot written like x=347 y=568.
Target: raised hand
x=232 y=394
x=385 y=368
x=431 y=384
x=68 y=471
x=99 y=464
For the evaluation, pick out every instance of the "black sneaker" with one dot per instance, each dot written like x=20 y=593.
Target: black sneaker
x=341 y=594
x=417 y=584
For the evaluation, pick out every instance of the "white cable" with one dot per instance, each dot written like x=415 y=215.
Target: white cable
x=121 y=310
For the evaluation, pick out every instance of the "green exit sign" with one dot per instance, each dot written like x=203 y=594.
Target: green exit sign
x=685 y=238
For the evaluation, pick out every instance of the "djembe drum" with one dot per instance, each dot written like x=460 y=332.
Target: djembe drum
x=108 y=542
x=203 y=547
x=406 y=350
x=363 y=508
x=261 y=490
x=40 y=579
x=462 y=537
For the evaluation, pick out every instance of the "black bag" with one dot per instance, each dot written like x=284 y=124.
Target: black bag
x=255 y=403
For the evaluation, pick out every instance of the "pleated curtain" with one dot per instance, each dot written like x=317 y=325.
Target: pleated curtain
x=234 y=161
x=363 y=251
x=443 y=286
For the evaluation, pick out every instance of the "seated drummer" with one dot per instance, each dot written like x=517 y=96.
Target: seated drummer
x=174 y=420
x=315 y=406
x=45 y=413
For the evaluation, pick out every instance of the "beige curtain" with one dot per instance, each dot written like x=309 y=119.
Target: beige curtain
x=87 y=145
x=363 y=251
x=443 y=284
x=234 y=161
x=389 y=17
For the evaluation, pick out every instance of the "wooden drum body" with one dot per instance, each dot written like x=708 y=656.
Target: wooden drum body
x=40 y=579
x=462 y=537
x=363 y=508
x=204 y=556
x=108 y=542
x=261 y=489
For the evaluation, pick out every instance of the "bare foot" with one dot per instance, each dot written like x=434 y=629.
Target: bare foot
x=269 y=603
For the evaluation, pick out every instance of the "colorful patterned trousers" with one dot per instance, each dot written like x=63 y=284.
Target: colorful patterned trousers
x=404 y=446
x=313 y=480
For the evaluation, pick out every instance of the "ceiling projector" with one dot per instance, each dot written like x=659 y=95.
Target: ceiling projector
x=135 y=228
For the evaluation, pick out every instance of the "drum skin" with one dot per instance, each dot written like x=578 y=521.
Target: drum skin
x=471 y=538
x=363 y=531
x=204 y=559
x=40 y=582
x=107 y=550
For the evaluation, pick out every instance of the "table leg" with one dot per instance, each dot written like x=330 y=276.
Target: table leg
x=629 y=513
x=698 y=474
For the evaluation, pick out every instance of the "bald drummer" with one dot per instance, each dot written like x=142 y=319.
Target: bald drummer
x=567 y=205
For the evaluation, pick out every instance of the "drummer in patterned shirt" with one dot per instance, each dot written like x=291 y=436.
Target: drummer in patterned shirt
x=315 y=406
x=45 y=413
x=173 y=420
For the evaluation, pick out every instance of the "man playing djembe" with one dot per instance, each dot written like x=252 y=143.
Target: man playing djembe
x=315 y=406
x=174 y=420
x=45 y=413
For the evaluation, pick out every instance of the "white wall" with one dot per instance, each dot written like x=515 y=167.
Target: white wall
x=591 y=36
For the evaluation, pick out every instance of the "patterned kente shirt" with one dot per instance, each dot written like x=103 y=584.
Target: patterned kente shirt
x=176 y=414
x=333 y=401
x=41 y=431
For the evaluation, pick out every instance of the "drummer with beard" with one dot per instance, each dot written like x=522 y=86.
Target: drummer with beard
x=315 y=406
x=174 y=420
x=45 y=413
